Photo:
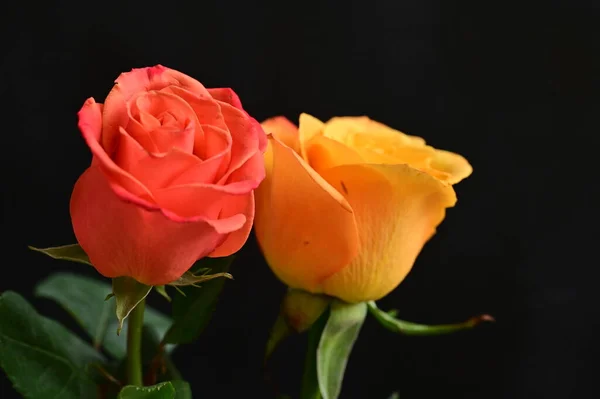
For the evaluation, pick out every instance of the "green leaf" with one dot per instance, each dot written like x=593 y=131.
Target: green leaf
x=40 y=356
x=190 y=278
x=394 y=395
x=183 y=389
x=83 y=298
x=337 y=340
x=192 y=312
x=128 y=294
x=409 y=328
x=164 y=390
x=72 y=252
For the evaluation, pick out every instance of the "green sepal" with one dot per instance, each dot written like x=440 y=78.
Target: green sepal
x=336 y=343
x=279 y=332
x=71 y=252
x=161 y=289
x=128 y=294
x=192 y=310
x=40 y=356
x=189 y=278
x=408 y=328
x=299 y=310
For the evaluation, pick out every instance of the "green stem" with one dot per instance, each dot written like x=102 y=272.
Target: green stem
x=134 y=345
x=310 y=383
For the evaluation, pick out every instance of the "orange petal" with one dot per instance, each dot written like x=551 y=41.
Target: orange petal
x=129 y=84
x=283 y=130
x=397 y=209
x=305 y=228
x=246 y=137
x=122 y=182
x=201 y=201
x=241 y=204
x=168 y=119
x=226 y=95
x=175 y=167
x=156 y=78
x=249 y=174
x=208 y=112
x=123 y=239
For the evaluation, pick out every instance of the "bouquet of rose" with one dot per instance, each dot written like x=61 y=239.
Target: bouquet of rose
x=179 y=176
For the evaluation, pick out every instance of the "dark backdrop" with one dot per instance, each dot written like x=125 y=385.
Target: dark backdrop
x=512 y=86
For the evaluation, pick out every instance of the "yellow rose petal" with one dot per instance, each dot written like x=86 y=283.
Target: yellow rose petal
x=377 y=143
x=397 y=209
x=308 y=127
x=283 y=130
x=305 y=227
x=456 y=166
x=324 y=153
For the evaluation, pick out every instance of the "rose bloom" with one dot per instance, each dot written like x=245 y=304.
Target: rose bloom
x=347 y=205
x=172 y=177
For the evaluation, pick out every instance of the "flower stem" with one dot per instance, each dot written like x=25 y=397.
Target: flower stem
x=134 y=345
x=310 y=382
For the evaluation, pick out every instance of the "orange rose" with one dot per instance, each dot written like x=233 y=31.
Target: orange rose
x=347 y=205
x=172 y=177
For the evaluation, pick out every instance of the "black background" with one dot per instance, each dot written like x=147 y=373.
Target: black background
x=513 y=86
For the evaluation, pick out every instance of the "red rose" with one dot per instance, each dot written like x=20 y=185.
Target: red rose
x=172 y=178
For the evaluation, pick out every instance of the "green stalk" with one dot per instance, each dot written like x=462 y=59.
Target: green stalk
x=134 y=345
x=310 y=383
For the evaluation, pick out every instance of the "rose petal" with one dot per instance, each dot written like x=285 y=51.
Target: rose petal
x=249 y=174
x=132 y=190
x=308 y=127
x=377 y=143
x=129 y=84
x=217 y=141
x=140 y=130
x=456 y=166
x=226 y=95
x=158 y=171
x=304 y=226
x=217 y=146
x=397 y=209
x=323 y=153
x=200 y=201
x=283 y=130
x=240 y=204
x=169 y=120
x=157 y=78
x=246 y=136
x=135 y=242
